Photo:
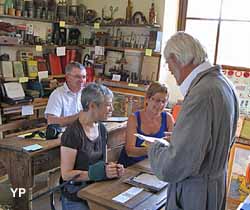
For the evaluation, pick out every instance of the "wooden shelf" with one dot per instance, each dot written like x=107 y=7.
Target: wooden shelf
x=82 y=24
x=123 y=49
x=57 y=76
x=27 y=18
x=81 y=47
x=46 y=46
x=15 y=79
x=130 y=25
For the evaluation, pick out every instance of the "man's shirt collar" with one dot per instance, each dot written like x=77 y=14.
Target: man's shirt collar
x=187 y=82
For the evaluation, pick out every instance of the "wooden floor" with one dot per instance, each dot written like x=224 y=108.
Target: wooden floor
x=43 y=202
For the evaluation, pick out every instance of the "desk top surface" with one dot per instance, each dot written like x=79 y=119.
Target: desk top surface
x=103 y=192
x=17 y=143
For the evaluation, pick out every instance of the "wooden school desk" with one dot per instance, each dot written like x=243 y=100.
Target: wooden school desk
x=22 y=166
x=99 y=195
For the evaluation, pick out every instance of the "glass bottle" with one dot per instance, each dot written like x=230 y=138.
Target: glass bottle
x=152 y=14
x=7 y=4
x=129 y=12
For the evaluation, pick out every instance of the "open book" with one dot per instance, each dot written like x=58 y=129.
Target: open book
x=152 y=139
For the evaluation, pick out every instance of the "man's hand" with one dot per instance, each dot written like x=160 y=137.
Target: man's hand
x=167 y=136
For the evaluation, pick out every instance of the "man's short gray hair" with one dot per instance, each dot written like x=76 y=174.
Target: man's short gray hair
x=72 y=65
x=185 y=48
x=94 y=93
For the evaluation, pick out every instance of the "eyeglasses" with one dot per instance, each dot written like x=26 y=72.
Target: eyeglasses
x=78 y=76
x=158 y=100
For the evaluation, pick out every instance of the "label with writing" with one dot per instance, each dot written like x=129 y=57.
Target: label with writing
x=96 y=25
x=39 y=48
x=23 y=79
x=62 y=23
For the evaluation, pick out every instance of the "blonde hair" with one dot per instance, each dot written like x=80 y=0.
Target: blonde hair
x=156 y=87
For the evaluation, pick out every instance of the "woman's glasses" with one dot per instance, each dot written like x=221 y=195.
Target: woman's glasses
x=159 y=100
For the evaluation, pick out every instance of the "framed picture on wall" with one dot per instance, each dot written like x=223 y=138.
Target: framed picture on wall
x=239 y=173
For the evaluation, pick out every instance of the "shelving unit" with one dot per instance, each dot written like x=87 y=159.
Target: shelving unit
x=130 y=93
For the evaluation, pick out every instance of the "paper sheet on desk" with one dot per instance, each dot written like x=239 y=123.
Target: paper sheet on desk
x=149 y=179
x=152 y=139
x=128 y=194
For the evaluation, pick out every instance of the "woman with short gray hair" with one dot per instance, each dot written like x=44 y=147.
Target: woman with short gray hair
x=83 y=147
x=95 y=93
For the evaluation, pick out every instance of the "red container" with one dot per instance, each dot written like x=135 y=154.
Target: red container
x=90 y=74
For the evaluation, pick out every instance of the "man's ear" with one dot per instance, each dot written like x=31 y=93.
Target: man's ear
x=173 y=58
x=92 y=105
x=66 y=76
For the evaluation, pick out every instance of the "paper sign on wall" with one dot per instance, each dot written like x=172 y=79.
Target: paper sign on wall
x=61 y=51
x=99 y=50
x=27 y=110
x=116 y=77
x=42 y=75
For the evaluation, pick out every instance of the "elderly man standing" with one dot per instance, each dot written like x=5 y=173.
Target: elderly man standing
x=195 y=163
x=65 y=102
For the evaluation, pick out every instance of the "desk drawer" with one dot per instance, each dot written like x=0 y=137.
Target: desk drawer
x=46 y=161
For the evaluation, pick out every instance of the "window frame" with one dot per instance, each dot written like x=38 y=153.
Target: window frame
x=181 y=26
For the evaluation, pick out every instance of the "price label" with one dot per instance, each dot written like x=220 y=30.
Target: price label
x=27 y=110
x=116 y=77
x=61 y=51
x=96 y=25
x=23 y=79
x=148 y=52
x=39 y=48
x=62 y=23
x=132 y=85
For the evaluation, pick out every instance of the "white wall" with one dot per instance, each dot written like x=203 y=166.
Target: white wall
x=169 y=28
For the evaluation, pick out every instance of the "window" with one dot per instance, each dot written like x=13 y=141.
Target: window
x=223 y=26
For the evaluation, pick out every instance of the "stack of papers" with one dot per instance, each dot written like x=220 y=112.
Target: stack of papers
x=152 y=139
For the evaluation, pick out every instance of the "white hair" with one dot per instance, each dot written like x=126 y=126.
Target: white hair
x=185 y=48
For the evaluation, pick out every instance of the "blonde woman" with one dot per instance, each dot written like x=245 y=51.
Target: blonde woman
x=152 y=121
